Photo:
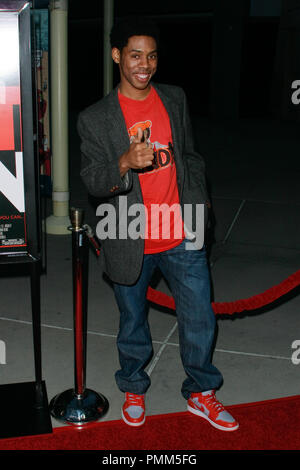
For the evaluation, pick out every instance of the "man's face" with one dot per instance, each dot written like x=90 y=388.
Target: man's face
x=137 y=64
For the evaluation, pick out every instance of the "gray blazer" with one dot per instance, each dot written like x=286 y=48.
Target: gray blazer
x=104 y=138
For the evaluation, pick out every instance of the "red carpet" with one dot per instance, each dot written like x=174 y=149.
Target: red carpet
x=265 y=425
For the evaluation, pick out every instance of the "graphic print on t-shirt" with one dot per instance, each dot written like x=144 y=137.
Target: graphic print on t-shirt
x=163 y=152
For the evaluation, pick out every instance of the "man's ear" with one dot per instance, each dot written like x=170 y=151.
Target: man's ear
x=115 y=53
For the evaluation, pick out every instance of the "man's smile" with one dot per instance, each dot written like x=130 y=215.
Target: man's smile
x=143 y=77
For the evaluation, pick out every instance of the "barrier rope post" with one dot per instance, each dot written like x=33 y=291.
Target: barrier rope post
x=79 y=405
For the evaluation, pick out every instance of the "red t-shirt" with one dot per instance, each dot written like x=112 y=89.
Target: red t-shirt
x=164 y=225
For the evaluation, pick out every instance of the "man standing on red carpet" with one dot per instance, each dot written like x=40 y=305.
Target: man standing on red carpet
x=137 y=152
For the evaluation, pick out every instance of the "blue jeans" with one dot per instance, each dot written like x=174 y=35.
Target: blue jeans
x=187 y=274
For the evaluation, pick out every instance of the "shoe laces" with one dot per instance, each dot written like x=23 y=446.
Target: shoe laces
x=213 y=403
x=134 y=400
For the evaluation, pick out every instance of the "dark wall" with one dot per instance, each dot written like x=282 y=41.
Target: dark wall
x=257 y=67
x=185 y=60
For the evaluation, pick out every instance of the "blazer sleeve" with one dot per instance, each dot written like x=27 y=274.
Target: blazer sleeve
x=100 y=174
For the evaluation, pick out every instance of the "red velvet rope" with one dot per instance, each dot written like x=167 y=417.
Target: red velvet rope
x=237 y=306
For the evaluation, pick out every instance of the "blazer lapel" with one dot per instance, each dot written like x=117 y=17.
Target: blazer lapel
x=116 y=123
x=119 y=134
x=173 y=111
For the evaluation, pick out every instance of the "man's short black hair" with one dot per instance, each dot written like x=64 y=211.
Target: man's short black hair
x=132 y=26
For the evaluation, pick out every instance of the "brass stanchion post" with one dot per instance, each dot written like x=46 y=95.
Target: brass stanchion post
x=79 y=405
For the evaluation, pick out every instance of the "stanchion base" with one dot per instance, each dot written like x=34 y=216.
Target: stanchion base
x=78 y=409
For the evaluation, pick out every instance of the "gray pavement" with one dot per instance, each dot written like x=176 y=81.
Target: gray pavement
x=253 y=170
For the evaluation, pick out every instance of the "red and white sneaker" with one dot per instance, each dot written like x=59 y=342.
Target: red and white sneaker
x=208 y=407
x=133 y=410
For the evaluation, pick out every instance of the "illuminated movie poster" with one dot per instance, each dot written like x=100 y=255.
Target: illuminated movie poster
x=12 y=198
